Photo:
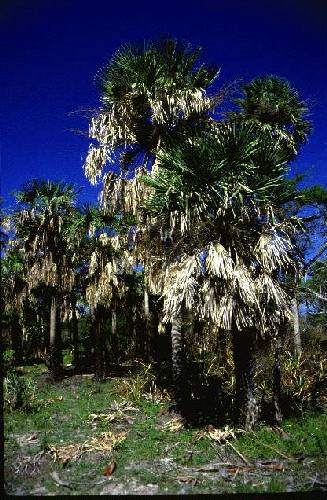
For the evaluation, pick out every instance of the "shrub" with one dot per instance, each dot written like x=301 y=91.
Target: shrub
x=142 y=386
x=19 y=392
x=304 y=380
x=8 y=360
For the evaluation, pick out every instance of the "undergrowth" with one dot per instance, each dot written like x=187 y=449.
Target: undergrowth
x=153 y=452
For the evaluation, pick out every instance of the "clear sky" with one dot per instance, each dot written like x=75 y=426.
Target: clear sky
x=51 y=50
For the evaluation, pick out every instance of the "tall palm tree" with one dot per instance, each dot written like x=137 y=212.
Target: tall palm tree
x=43 y=212
x=220 y=195
x=150 y=93
x=277 y=108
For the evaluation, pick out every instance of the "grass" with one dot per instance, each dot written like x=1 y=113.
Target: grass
x=304 y=435
x=150 y=456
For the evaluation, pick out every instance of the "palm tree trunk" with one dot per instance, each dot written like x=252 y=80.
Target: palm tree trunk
x=54 y=348
x=114 y=343
x=147 y=323
x=244 y=365
x=296 y=327
x=189 y=327
x=277 y=417
x=75 y=336
x=178 y=364
x=43 y=340
x=99 y=345
x=136 y=333
x=146 y=303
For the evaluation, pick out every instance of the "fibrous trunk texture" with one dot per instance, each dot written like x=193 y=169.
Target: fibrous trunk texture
x=296 y=327
x=178 y=364
x=99 y=344
x=114 y=343
x=75 y=336
x=55 y=341
x=148 y=323
x=246 y=410
x=222 y=346
x=277 y=416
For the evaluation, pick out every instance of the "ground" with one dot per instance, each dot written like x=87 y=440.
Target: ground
x=87 y=438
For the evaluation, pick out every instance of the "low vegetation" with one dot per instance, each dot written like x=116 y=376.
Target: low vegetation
x=84 y=438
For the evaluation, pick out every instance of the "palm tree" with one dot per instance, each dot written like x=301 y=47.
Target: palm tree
x=220 y=195
x=43 y=211
x=277 y=108
x=149 y=94
x=109 y=263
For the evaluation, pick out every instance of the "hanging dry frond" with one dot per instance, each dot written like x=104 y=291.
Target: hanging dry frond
x=272 y=250
x=181 y=285
x=219 y=262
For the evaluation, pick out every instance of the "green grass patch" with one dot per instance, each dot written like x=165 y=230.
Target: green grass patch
x=150 y=453
x=304 y=435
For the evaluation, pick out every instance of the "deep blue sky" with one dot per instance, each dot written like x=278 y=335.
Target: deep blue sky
x=52 y=49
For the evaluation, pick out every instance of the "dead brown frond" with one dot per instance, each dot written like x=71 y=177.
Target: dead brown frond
x=173 y=425
x=104 y=442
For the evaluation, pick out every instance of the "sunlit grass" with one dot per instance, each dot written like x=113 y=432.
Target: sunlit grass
x=150 y=453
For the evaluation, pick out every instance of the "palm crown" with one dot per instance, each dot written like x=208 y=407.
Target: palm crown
x=275 y=105
x=148 y=92
x=44 y=207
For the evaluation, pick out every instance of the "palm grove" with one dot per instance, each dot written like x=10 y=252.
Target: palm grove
x=196 y=250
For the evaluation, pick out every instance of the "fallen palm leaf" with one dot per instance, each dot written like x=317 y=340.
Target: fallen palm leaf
x=32 y=437
x=28 y=464
x=105 y=417
x=220 y=436
x=109 y=417
x=271 y=465
x=27 y=439
x=66 y=452
x=240 y=468
x=173 y=425
x=236 y=469
x=258 y=465
x=122 y=406
x=106 y=441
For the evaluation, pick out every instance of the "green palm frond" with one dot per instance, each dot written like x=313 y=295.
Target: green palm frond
x=235 y=168
x=274 y=104
x=152 y=69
